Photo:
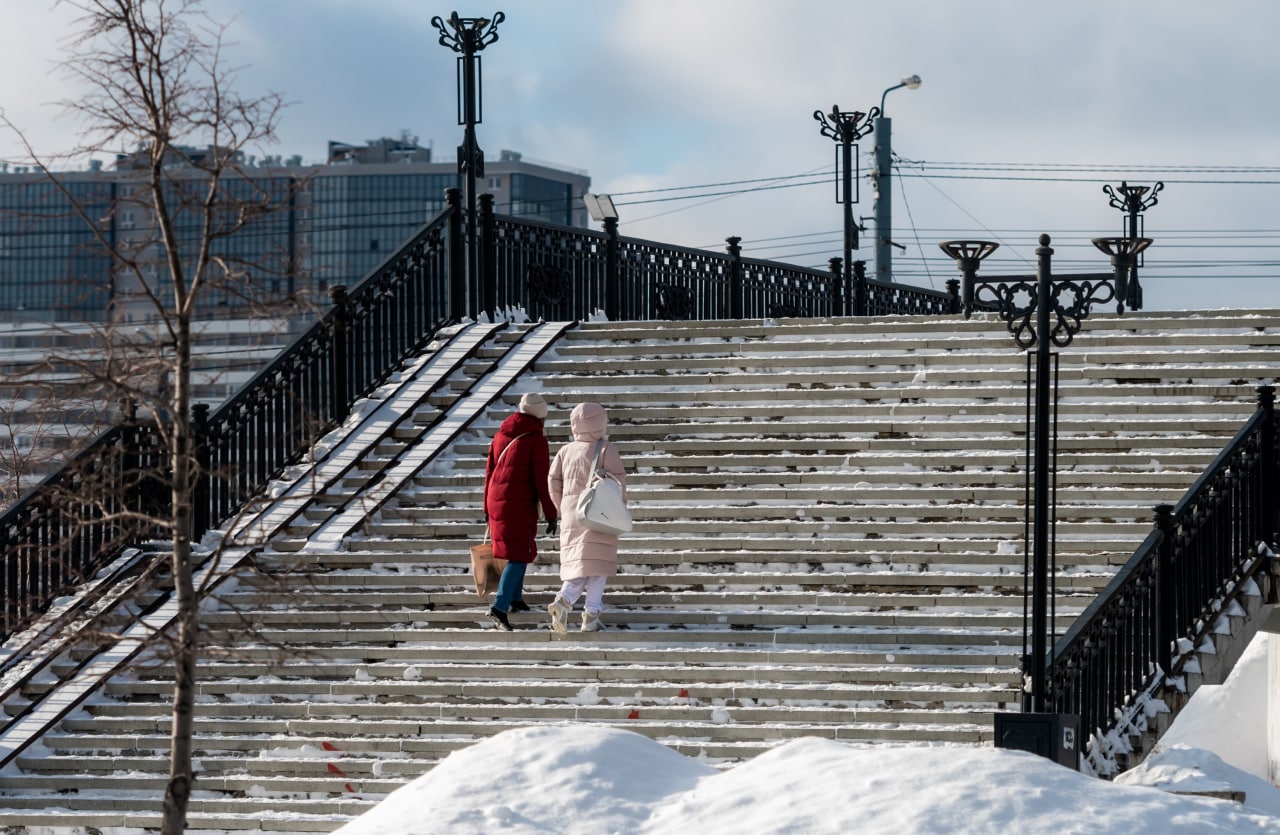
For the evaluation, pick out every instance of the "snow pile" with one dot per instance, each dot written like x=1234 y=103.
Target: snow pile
x=591 y=779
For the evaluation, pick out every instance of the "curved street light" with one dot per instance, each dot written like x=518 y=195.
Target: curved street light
x=884 y=188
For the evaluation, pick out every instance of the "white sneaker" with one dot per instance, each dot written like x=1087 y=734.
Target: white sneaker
x=559 y=610
x=590 y=622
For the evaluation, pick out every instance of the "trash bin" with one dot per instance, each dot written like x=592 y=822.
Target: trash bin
x=1055 y=736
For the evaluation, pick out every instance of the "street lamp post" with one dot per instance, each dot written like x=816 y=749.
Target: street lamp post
x=846 y=127
x=884 y=185
x=1042 y=311
x=468 y=36
x=1133 y=201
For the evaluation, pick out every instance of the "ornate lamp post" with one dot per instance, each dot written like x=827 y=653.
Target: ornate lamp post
x=1042 y=311
x=468 y=36
x=884 y=185
x=1133 y=201
x=846 y=127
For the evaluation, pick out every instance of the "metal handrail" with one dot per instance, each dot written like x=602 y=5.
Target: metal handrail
x=1168 y=594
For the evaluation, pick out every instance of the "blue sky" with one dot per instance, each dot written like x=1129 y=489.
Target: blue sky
x=657 y=94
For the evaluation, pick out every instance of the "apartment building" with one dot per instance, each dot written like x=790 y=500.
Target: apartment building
x=61 y=245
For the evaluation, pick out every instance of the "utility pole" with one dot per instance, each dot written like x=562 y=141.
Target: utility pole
x=884 y=185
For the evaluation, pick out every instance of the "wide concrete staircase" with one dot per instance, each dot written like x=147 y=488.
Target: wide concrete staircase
x=828 y=542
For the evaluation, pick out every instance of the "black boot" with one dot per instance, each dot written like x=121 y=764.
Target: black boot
x=499 y=619
x=519 y=606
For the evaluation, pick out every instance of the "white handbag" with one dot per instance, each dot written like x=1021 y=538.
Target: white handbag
x=601 y=506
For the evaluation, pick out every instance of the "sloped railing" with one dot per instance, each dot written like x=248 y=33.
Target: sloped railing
x=1187 y=571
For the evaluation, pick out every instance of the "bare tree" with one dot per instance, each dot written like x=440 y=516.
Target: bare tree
x=157 y=87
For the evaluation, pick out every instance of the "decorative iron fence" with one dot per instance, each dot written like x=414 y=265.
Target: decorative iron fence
x=1188 y=569
x=557 y=272
x=76 y=520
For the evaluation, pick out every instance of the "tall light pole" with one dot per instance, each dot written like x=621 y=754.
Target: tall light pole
x=1042 y=312
x=468 y=36
x=884 y=186
x=1133 y=201
x=846 y=127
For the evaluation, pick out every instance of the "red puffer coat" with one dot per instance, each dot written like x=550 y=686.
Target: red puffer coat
x=514 y=485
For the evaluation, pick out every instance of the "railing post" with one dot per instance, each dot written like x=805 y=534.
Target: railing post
x=338 y=357
x=860 y=289
x=1166 y=610
x=1269 y=511
x=836 y=265
x=953 y=290
x=735 y=276
x=131 y=466
x=200 y=493
x=488 y=252
x=612 y=277
x=457 y=258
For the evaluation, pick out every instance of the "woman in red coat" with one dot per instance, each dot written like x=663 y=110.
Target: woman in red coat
x=515 y=483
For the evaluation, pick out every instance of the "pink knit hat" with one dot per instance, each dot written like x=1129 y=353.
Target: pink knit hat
x=533 y=404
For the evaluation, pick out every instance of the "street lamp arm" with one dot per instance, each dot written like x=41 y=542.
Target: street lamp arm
x=887 y=92
x=912 y=81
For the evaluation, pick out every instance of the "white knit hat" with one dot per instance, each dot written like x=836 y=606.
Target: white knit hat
x=533 y=404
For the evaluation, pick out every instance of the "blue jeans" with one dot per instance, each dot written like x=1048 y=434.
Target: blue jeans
x=510 y=586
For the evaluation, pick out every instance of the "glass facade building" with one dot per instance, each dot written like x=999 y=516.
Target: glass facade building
x=328 y=225
x=357 y=220
x=51 y=258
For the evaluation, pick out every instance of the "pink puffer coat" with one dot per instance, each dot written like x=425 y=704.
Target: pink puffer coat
x=584 y=552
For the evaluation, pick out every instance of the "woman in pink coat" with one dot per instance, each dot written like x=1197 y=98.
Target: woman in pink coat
x=587 y=557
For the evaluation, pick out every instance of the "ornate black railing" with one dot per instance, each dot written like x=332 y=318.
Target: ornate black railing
x=557 y=272
x=1190 y=568
x=76 y=520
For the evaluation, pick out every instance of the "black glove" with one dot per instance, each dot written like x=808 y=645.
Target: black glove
x=553 y=526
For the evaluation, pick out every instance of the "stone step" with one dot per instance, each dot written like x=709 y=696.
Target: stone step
x=831 y=582
x=306 y=762
x=649 y=538
x=644 y=489
x=354 y=642
x=684 y=617
x=879 y=365
x=664 y=394
x=451 y=557
x=587 y=660
x=752 y=510
x=217 y=813
x=660 y=428
x=335 y=717
x=658 y=691
x=419 y=736
x=207 y=780
x=958 y=601
x=1101 y=325
x=996 y=403
x=855 y=343
x=830 y=522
